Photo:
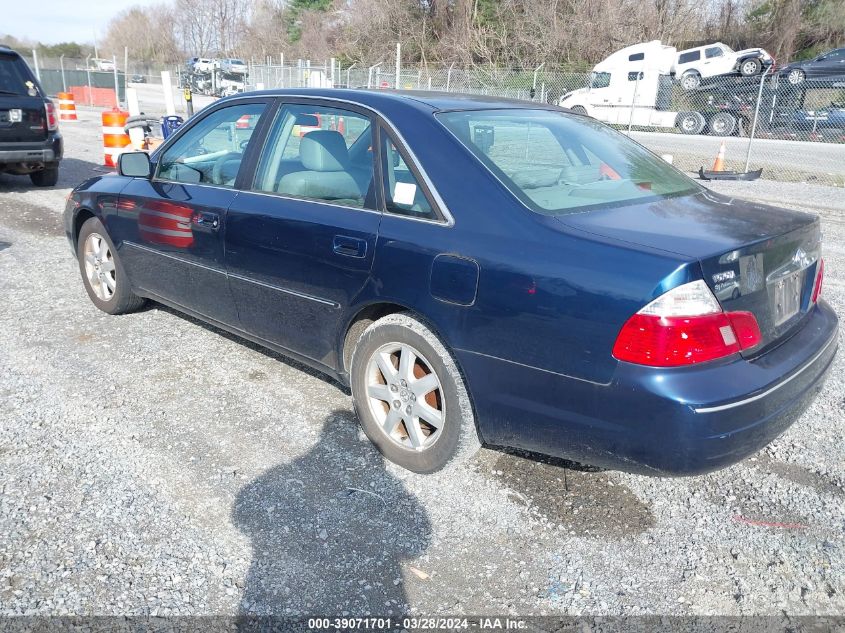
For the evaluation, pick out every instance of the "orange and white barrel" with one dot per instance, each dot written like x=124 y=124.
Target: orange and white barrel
x=67 y=107
x=115 y=138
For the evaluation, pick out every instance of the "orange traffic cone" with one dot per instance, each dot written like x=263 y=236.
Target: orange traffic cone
x=719 y=163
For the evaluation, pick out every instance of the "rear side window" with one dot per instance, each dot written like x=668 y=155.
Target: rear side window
x=15 y=76
x=556 y=164
x=691 y=56
x=319 y=153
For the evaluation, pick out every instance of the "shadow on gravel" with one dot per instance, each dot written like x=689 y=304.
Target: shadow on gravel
x=72 y=171
x=152 y=305
x=583 y=500
x=330 y=531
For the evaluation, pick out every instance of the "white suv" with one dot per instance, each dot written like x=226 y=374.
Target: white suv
x=694 y=64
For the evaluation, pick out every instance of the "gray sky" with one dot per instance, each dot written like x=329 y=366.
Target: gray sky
x=52 y=21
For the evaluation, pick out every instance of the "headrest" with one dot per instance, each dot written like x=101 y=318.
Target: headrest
x=323 y=150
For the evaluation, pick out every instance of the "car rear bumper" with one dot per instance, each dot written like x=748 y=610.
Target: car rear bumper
x=47 y=151
x=655 y=421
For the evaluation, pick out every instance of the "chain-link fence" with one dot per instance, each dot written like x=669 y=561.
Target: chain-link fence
x=792 y=131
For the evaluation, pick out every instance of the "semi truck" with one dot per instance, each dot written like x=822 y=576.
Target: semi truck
x=636 y=86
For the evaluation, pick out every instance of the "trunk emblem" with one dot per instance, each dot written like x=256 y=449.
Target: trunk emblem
x=15 y=115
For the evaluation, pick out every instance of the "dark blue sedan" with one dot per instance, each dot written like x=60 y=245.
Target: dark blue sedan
x=476 y=271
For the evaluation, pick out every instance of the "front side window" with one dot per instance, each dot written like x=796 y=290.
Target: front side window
x=319 y=153
x=402 y=190
x=713 y=51
x=599 y=80
x=556 y=164
x=212 y=150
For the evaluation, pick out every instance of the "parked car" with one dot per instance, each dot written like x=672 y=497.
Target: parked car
x=704 y=62
x=828 y=121
x=30 y=141
x=829 y=65
x=138 y=79
x=204 y=65
x=105 y=65
x=233 y=66
x=477 y=270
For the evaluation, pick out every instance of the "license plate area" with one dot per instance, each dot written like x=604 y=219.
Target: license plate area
x=786 y=297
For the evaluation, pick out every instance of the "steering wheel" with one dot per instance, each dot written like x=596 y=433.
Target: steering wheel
x=217 y=169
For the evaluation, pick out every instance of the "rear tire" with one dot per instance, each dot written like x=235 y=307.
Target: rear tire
x=690 y=122
x=47 y=177
x=410 y=395
x=796 y=76
x=750 y=67
x=102 y=272
x=722 y=124
x=690 y=80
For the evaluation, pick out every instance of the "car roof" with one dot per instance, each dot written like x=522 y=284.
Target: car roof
x=434 y=101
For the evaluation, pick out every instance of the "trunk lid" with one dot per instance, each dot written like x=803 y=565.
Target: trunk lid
x=754 y=257
x=22 y=115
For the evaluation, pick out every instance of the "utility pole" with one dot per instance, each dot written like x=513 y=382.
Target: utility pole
x=398 y=64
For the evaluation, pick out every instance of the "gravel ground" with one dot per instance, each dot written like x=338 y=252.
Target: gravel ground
x=151 y=465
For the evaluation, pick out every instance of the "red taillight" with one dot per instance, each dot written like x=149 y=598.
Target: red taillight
x=685 y=326
x=52 y=119
x=746 y=329
x=817 y=287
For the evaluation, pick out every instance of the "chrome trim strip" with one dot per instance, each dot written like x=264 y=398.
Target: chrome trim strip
x=182 y=260
x=174 y=257
x=745 y=401
x=276 y=194
x=286 y=291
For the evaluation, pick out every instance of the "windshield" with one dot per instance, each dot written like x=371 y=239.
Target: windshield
x=14 y=75
x=557 y=163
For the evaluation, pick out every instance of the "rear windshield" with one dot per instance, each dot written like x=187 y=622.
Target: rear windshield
x=557 y=163
x=14 y=75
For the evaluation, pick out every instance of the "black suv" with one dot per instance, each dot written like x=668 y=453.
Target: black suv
x=30 y=142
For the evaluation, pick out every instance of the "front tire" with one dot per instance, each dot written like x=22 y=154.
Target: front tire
x=410 y=396
x=47 y=177
x=102 y=272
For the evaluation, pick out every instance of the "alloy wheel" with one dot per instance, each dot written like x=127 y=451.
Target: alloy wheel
x=749 y=68
x=795 y=76
x=405 y=396
x=99 y=267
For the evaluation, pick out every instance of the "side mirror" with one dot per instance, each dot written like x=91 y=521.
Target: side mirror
x=134 y=165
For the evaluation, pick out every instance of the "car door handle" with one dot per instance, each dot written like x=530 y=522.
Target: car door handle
x=207 y=220
x=349 y=246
